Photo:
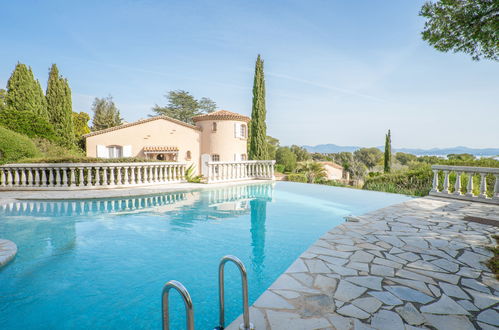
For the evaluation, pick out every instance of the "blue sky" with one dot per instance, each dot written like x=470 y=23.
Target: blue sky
x=340 y=72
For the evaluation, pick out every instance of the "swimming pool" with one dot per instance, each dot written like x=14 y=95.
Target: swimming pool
x=102 y=264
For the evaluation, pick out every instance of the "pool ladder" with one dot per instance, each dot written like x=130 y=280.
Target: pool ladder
x=189 y=309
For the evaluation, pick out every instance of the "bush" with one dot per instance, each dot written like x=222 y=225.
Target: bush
x=416 y=182
x=51 y=150
x=14 y=146
x=280 y=168
x=297 y=177
x=27 y=123
x=334 y=183
x=86 y=160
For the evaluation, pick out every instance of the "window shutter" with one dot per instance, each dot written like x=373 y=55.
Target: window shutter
x=127 y=151
x=236 y=131
x=102 y=151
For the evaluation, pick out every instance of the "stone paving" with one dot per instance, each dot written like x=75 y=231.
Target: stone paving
x=8 y=251
x=415 y=265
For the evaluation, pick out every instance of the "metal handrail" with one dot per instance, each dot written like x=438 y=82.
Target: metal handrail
x=189 y=310
x=246 y=325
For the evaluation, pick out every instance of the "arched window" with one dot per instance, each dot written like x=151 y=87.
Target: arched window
x=214 y=127
x=243 y=131
x=215 y=158
x=188 y=155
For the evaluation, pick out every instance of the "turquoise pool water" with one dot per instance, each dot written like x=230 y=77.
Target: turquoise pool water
x=101 y=264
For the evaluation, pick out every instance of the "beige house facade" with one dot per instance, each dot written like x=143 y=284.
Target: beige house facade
x=218 y=136
x=335 y=171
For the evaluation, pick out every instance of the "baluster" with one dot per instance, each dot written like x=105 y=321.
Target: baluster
x=139 y=174
x=29 y=183
x=72 y=177
x=155 y=174
x=22 y=181
x=51 y=182
x=118 y=176
x=104 y=176
x=446 y=182
x=3 y=179
x=483 y=185
x=43 y=180
x=89 y=177
x=9 y=177
x=126 y=182
x=160 y=173
x=496 y=188
x=36 y=182
x=111 y=176
x=64 y=177
x=146 y=174
x=151 y=174
x=132 y=174
x=469 y=188
x=81 y=177
x=97 y=177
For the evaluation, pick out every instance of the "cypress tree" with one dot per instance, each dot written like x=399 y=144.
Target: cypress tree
x=59 y=104
x=258 y=128
x=388 y=152
x=24 y=93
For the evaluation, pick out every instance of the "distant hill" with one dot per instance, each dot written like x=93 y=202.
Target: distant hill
x=333 y=148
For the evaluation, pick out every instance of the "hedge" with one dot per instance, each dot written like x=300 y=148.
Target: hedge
x=53 y=160
x=413 y=182
x=27 y=123
x=14 y=146
x=297 y=177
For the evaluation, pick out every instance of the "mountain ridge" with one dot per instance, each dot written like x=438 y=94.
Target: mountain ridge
x=333 y=148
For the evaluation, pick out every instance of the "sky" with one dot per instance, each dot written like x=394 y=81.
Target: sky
x=341 y=72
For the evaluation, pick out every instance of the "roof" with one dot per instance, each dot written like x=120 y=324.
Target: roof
x=221 y=115
x=139 y=122
x=160 y=148
x=332 y=164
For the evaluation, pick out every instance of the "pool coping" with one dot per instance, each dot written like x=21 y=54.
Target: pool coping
x=351 y=277
x=10 y=196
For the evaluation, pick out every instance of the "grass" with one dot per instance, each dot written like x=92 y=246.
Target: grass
x=493 y=263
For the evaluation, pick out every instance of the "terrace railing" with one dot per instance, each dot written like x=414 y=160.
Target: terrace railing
x=242 y=170
x=468 y=183
x=78 y=176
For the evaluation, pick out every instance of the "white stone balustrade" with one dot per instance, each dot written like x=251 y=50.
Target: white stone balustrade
x=242 y=170
x=469 y=172
x=78 y=176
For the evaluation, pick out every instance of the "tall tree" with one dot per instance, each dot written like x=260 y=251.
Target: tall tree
x=469 y=26
x=388 y=152
x=3 y=95
x=80 y=122
x=258 y=129
x=183 y=106
x=106 y=114
x=368 y=156
x=24 y=92
x=60 y=106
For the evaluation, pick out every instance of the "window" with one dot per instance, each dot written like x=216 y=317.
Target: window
x=215 y=158
x=244 y=157
x=214 y=127
x=188 y=155
x=114 y=151
x=243 y=131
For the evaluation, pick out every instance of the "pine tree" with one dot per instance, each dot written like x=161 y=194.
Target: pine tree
x=24 y=92
x=258 y=128
x=106 y=114
x=388 y=152
x=60 y=108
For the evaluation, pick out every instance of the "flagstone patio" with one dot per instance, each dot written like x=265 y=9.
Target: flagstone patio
x=415 y=265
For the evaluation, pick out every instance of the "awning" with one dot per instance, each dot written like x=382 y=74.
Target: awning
x=160 y=149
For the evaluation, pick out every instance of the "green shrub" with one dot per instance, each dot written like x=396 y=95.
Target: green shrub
x=50 y=149
x=334 y=183
x=280 y=168
x=416 y=182
x=14 y=146
x=297 y=177
x=27 y=123
x=86 y=160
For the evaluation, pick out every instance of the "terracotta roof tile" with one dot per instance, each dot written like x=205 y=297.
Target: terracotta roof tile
x=160 y=148
x=142 y=121
x=222 y=115
x=332 y=165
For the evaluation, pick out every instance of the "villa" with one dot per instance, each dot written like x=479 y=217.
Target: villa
x=220 y=136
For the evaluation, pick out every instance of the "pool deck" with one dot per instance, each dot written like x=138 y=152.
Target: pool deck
x=414 y=265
